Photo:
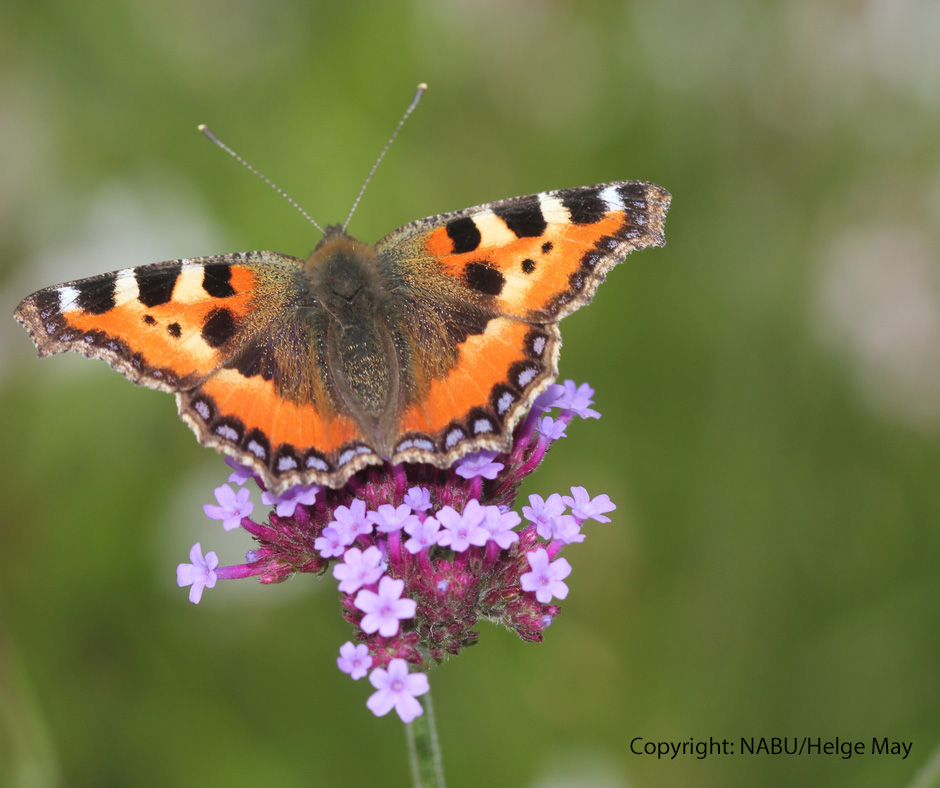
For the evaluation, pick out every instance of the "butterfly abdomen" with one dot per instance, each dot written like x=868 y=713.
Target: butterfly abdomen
x=360 y=349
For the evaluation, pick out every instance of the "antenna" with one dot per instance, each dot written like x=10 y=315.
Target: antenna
x=411 y=107
x=205 y=130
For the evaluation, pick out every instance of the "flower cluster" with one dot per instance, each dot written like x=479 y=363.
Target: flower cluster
x=421 y=554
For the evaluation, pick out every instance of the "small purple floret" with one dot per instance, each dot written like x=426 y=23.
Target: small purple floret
x=583 y=507
x=389 y=519
x=479 y=464
x=397 y=689
x=200 y=574
x=232 y=506
x=352 y=521
x=419 y=499
x=544 y=513
x=331 y=543
x=385 y=609
x=287 y=502
x=546 y=576
x=423 y=535
x=359 y=568
x=354 y=659
x=459 y=531
x=566 y=529
x=550 y=429
x=500 y=526
x=548 y=398
x=578 y=400
x=241 y=474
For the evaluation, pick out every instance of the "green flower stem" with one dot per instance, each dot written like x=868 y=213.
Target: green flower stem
x=424 y=748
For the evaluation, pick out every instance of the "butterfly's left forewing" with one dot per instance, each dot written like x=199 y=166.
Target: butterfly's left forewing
x=509 y=270
x=536 y=258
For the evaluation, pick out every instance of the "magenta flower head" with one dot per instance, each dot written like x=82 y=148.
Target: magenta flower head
x=420 y=554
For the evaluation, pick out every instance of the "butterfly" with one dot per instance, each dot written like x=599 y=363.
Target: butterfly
x=423 y=348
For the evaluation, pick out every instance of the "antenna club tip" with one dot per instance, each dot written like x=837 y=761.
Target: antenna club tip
x=207 y=132
x=423 y=86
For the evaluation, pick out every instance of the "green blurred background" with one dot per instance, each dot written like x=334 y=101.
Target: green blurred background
x=769 y=382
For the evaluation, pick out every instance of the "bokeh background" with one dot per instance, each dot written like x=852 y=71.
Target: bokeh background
x=769 y=382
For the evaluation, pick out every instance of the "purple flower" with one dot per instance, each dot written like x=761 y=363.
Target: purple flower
x=419 y=499
x=389 y=519
x=240 y=473
x=583 y=507
x=397 y=689
x=566 y=529
x=354 y=660
x=552 y=430
x=546 y=577
x=359 y=568
x=352 y=521
x=499 y=526
x=199 y=574
x=548 y=398
x=423 y=535
x=462 y=530
x=232 y=506
x=421 y=554
x=479 y=464
x=331 y=543
x=287 y=502
x=577 y=400
x=384 y=609
x=544 y=513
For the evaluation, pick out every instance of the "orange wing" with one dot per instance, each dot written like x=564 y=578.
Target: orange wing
x=166 y=326
x=500 y=276
x=223 y=334
x=540 y=257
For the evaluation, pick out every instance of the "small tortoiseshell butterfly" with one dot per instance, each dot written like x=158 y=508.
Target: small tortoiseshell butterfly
x=423 y=348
